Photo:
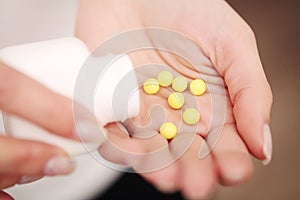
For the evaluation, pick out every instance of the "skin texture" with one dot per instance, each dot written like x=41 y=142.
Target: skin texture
x=230 y=45
x=19 y=158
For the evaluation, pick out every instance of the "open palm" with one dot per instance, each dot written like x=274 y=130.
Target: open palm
x=229 y=44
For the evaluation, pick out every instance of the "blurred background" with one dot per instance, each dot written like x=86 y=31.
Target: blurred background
x=277 y=27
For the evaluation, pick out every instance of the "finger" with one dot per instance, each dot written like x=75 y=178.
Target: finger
x=142 y=154
x=28 y=179
x=165 y=179
x=119 y=148
x=147 y=156
x=19 y=157
x=22 y=96
x=231 y=157
x=197 y=176
x=5 y=196
x=159 y=164
x=250 y=93
x=8 y=181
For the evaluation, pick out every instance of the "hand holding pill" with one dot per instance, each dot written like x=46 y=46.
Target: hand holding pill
x=172 y=113
x=176 y=99
x=230 y=47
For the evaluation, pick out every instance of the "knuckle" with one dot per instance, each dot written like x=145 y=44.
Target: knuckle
x=246 y=33
x=270 y=97
x=24 y=155
x=249 y=31
x=270 y=94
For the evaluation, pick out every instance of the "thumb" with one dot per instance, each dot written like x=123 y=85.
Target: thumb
x=24 y=157
x=249 y=91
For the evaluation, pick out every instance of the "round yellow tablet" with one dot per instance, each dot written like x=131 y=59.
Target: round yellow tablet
x=197 y=87
x=179 y=84
x=165 y=78
x=176 y=100
x=168 y=130
x=191 y=116
x=151 y=86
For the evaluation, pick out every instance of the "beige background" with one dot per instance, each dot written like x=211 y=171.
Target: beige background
x=277 y=27
x=24 y=21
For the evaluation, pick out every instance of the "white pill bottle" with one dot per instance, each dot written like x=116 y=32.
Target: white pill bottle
x=56 y=64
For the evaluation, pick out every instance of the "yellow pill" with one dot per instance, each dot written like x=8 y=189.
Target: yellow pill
x=165 y=78
x=176 y=100
x=191 y=116
x=168 y=130
x=179 y=84
x=151 y=86
x=197 y=87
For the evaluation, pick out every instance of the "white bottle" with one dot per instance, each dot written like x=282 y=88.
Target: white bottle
x=57 y=64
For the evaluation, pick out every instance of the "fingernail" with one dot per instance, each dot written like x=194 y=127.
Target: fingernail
x=267 y=148
x=28 y=179
x=59 y=166
x=89 y=131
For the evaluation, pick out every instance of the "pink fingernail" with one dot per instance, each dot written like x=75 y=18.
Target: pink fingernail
x=28 y=179
x=59 y=166
x=267 y=148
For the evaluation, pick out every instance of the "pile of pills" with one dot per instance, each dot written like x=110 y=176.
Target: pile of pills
x=176 y=100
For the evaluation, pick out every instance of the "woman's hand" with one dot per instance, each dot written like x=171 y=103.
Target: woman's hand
x=23 y=161
x=230 y=45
